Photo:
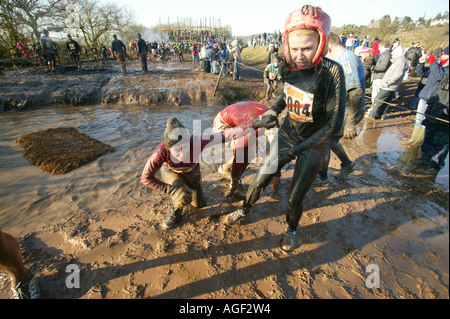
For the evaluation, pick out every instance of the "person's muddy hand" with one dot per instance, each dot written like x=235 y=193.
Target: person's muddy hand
x=350 y=132
x=276 y=181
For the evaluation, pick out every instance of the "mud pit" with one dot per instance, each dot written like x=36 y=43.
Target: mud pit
x=109 y=225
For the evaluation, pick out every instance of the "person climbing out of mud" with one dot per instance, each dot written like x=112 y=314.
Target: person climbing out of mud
x=314 y=93
x=118 y=47
x=49 y=51
x=178 y=159
x=272 y=76
x=233 y=116
x=24 y=284
x=74 y=50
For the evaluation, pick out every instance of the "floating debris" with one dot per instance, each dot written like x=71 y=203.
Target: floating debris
x=61 y=150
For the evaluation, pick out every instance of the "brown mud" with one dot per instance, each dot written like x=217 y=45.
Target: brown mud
x=381 y=215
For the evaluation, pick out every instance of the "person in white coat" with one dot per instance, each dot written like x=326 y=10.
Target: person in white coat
x=390 y=83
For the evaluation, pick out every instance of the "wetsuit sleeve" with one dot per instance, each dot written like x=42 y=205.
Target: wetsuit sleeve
x=279 y=105
x=334 y=107
x=153 y=165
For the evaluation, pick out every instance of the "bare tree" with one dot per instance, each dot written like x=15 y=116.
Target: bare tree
x=36 y=15
x=96 y=20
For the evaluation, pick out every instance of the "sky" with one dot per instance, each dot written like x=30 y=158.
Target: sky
x=257 y=16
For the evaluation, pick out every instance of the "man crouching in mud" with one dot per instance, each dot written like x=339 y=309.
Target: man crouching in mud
x=178 y=158
x=314 y=93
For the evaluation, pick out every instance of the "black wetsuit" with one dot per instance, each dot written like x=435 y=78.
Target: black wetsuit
x=316 y=104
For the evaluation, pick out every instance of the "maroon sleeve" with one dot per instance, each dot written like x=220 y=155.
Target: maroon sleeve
x=153 y=165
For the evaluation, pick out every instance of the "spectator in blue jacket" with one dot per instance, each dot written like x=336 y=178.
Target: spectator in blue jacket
x=434 y=74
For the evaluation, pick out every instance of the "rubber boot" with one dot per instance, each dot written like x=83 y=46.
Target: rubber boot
x=172 y=218
x=417 y=136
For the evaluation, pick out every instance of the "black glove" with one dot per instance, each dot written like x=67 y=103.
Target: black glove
x=267 y=122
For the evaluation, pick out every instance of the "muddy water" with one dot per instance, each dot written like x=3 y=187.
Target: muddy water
x=31 y=199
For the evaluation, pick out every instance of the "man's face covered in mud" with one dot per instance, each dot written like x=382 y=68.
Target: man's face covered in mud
x=303 y=45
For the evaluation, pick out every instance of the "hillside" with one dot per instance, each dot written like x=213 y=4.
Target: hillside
x=430 y=37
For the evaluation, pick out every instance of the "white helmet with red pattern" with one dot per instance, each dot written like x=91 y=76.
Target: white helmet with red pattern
x=308 y=17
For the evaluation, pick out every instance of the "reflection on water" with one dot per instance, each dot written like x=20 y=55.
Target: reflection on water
x=30 y=198
x=386 y=141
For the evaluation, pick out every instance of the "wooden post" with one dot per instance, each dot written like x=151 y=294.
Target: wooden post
x=218 y=80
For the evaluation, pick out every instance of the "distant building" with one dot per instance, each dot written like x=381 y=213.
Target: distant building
x=439 y=21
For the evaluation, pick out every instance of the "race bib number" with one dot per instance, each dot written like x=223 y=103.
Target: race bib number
x=72 y=47
x=299 y=102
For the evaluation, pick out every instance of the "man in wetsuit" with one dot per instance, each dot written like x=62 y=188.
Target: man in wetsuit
x=314 y=93
x=74 y=50
x=178 y=159
x=120 y=49
x=244 y=148
x=49 y=51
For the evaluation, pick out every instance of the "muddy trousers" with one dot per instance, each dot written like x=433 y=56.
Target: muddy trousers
x=143 y=60
x=380 y=106
x=192 y=181
x=271 y=87
x=307 y=165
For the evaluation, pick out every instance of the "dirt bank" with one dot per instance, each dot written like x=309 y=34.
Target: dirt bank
x=378 y=217
x=172 y=83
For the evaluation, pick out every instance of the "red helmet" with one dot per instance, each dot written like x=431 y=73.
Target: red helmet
x=308 y=17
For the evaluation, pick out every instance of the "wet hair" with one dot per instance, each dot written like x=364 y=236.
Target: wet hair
x=172 y=124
